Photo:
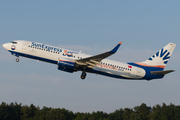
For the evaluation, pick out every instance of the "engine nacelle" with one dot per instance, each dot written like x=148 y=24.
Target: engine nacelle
x=65 y=65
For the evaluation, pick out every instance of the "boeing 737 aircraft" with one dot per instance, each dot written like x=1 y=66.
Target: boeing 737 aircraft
x=72 y=61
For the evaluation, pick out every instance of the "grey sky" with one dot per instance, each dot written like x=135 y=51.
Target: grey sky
x=92 y=27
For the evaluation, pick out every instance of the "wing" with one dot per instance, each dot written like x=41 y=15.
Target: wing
x=93 y=60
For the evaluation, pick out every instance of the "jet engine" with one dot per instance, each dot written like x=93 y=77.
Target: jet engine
x=66 y=65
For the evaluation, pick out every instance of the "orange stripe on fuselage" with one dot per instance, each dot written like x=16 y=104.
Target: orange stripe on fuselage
x=142 y=64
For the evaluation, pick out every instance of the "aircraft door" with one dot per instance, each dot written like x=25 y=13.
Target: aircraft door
x=24 y=45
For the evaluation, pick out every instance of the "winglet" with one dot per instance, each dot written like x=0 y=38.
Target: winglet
x=115 y=48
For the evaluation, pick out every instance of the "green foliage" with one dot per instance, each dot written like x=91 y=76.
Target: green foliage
x=14 y=111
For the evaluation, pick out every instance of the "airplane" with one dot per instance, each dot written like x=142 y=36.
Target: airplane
x=72 y=61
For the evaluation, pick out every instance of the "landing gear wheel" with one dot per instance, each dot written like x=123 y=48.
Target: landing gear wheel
x=83 y=75
x=17 y=60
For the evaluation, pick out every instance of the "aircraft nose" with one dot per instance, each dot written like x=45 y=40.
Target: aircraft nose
x=5 y=46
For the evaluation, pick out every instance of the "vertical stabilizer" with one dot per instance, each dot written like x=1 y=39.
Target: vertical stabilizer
x=161 y=58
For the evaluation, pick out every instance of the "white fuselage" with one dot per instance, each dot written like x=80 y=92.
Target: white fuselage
x=52 y=54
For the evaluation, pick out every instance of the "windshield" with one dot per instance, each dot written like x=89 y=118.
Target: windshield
x=14 y=42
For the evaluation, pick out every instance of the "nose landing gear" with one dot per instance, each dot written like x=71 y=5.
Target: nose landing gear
x=17 y=60
x=83 y=75
x=15 y=54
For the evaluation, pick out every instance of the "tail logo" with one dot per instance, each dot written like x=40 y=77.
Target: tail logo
x=164 y=54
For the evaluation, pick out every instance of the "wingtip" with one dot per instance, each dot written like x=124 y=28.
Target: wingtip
x=120 y=43
x=115 y=48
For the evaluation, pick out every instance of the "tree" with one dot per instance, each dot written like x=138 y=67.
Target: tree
x=143 y=111
x=25 y=110
x=117 y=115
x=14 y=111
x=126 y=114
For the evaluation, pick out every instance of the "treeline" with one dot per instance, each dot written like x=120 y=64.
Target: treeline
x=15 y=111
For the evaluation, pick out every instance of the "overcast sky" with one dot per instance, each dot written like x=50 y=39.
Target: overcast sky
x=92 y=27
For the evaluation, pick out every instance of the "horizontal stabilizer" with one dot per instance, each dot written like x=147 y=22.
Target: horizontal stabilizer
x=162 y=72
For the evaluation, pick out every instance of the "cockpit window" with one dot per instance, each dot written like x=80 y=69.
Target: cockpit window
x=14 y=42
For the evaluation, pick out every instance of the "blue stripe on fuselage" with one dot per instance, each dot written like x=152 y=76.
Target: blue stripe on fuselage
x=56 y=62
x=35 y=57
x=148 y=75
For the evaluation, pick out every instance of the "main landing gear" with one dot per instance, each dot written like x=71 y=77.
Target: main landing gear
x=17 y=60
x=83 y=75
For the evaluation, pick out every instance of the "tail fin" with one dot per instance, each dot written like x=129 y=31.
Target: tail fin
x=161 y=58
